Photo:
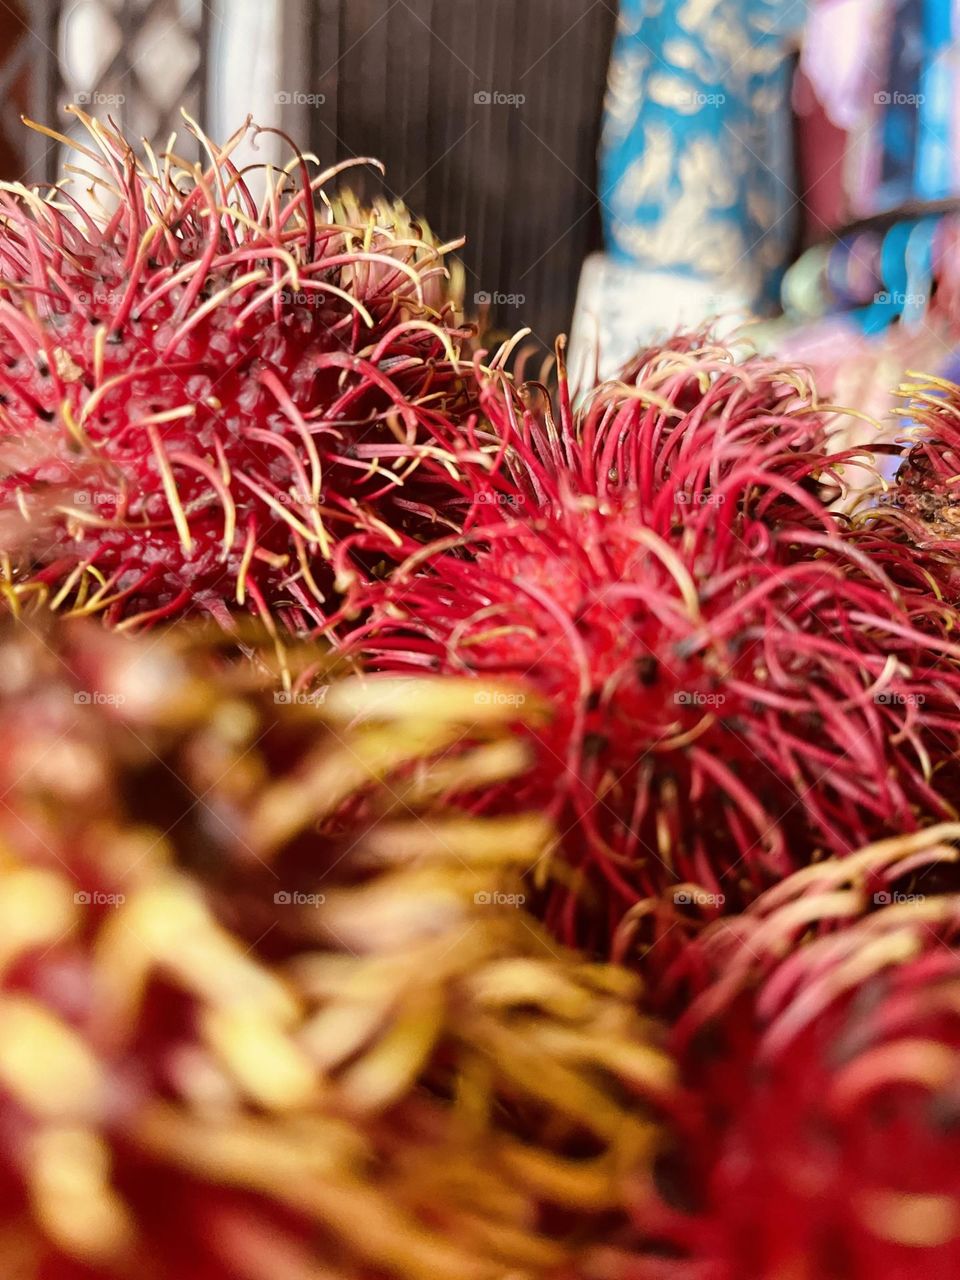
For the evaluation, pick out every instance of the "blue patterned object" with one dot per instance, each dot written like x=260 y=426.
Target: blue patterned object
x=696 y=164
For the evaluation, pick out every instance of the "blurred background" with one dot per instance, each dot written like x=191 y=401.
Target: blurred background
x=617 y=169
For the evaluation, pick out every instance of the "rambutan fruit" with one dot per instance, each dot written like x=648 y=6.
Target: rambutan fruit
x=199 y=394
x=920 y=510
x=822 y=1032
x=234 y=1047
x=735 y=687
x=684 y=427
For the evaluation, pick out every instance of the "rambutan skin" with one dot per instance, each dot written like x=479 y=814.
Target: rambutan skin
x=267 y=996
x=735 y=687
x=820 y=1031
x=200 y=396
x=919 y=513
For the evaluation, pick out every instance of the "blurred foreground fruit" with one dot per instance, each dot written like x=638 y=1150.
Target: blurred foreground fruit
x=243 y=1040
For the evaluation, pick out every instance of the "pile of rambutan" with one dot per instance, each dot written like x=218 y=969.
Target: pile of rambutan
x=556 y=878
x=736 y=686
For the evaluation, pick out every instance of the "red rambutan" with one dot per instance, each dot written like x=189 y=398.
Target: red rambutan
x=199 y=394
x=824 y=1040
x=735 y=687
x=920 y=511
x=234 y=1047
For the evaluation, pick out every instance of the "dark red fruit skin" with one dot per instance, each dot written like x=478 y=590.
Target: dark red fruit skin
x=271 y=365
x=736 y=687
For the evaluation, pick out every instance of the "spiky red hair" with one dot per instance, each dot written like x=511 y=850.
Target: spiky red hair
x=736 y=687
x=200 y=394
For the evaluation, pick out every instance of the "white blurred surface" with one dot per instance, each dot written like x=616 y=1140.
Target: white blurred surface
x=622 y=308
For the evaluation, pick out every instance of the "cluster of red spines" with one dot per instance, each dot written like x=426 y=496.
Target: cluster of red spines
x=913 y=522
x=208 y=403
x=820 y=1031
x=734 y=685
x=200 y=395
